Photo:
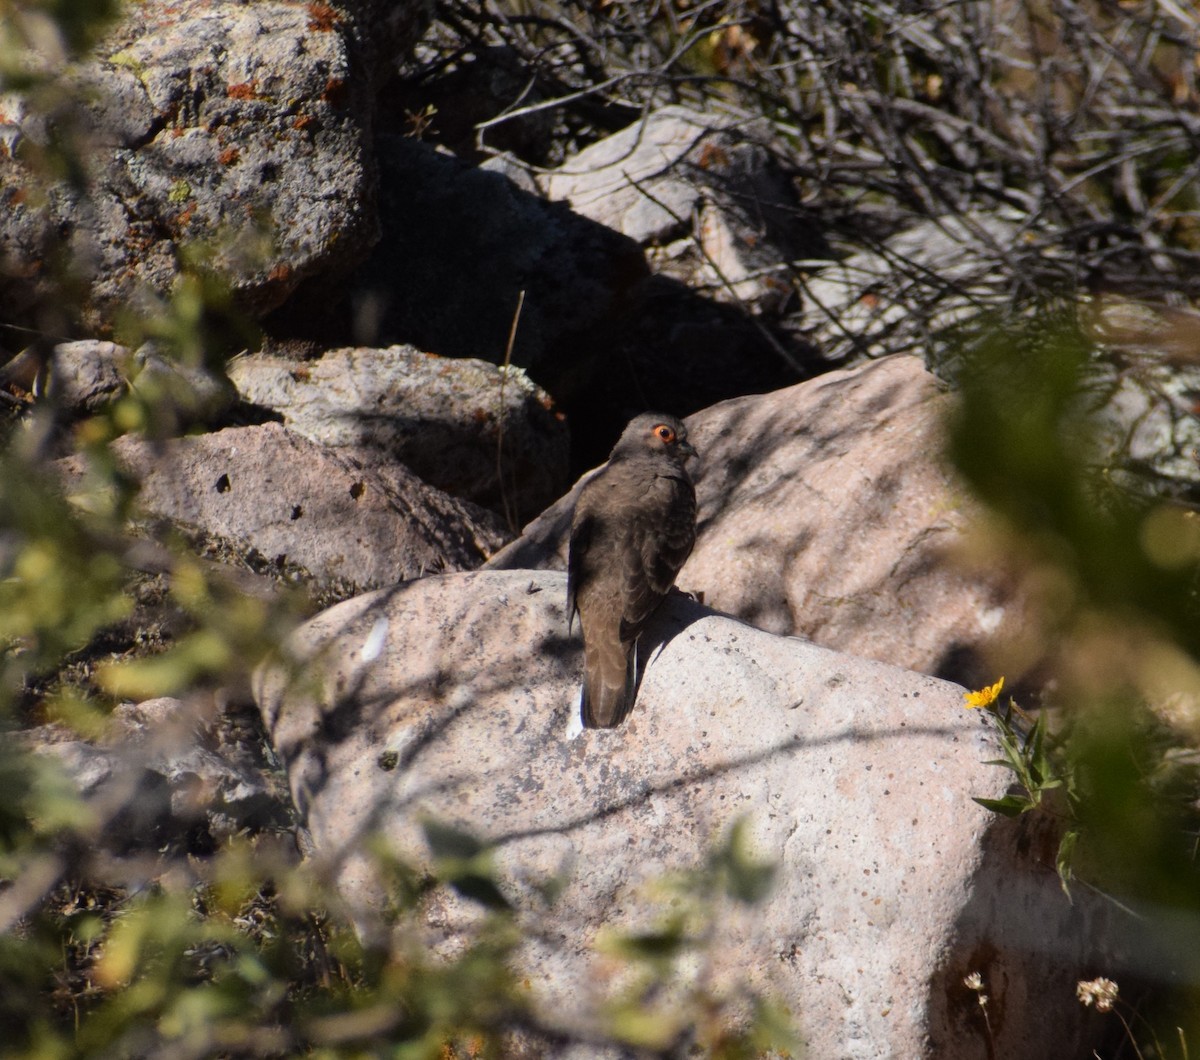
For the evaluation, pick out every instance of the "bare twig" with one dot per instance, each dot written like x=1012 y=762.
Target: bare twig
x=510 y=513
x=776 y=346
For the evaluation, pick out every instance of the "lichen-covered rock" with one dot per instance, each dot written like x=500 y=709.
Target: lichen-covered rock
x=475 y=430
x=161 y=776
x=241 y=128
x=85 y=375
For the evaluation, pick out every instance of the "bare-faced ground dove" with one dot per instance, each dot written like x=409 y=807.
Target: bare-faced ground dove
x=634 y=525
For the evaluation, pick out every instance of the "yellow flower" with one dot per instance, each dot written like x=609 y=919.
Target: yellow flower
x=985 y=697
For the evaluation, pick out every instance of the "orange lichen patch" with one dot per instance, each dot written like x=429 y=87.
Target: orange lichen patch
x=322 y=18
x=16 y=196
x=242 y=90
x=335 y=91
x=712 y=155
x=229 y=156
x=475 y=1047
x=139 y=243
x=186 y=214
x=281 y=273
x=303 y=121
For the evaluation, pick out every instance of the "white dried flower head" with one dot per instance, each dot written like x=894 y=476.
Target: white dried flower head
x=974 y=981
x=1100 y=992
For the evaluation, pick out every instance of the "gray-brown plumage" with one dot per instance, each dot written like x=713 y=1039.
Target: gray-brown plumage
x=634 y=525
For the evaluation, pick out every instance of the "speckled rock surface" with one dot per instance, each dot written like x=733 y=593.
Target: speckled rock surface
x=346 y=517
x=468 y=427
x=242 y=127
x=456 y=697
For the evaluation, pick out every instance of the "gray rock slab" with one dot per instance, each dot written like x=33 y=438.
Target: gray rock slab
x=468 y=427
x=703 y=194
x=343 y=516
x=914 y=285
x=85 y=375
x=456 y=696
x=827 y=510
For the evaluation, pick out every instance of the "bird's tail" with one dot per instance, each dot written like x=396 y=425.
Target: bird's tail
x=608 y=693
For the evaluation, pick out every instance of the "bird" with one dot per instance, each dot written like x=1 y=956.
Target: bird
x=634 y=526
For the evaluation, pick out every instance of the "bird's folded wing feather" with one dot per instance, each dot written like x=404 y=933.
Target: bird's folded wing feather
x=657 y=550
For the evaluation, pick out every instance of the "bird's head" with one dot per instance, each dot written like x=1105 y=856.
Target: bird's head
x=655 y=432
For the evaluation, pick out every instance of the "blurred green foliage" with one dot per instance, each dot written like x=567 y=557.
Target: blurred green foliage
x=1113 y=573
x=1026 y=438
x=66 y=26
x=672 y=1004
x=248 y=952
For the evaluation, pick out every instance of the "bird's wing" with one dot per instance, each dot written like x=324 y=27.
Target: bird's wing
x=582 y=529
x=657 y=549
x=675 y=535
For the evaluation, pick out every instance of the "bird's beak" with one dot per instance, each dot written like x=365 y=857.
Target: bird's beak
x=687 y=450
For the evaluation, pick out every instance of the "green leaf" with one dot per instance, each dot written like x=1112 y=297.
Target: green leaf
x=638 y=1026
x=1012 y=752
x=751 y=882
x=551 y=889
x=772 y=1029
x=1066 y=851
x=1010 y=805
x=1041 y=768
x=463 y=861
x=650 y=945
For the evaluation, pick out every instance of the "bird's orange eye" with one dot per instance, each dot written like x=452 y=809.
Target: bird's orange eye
x=665 y=433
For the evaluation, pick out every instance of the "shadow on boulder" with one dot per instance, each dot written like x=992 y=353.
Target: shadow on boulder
x=602 y=334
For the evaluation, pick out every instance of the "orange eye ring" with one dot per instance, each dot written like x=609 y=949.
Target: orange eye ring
x=664 y=433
